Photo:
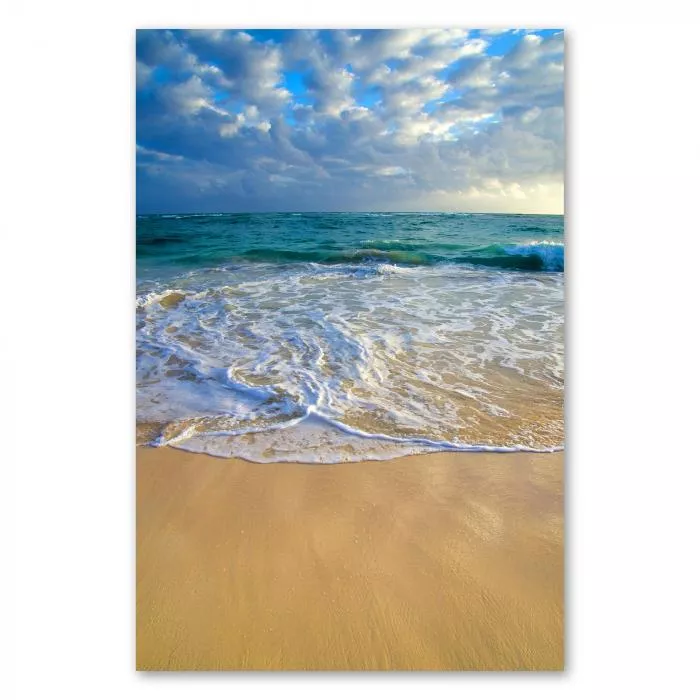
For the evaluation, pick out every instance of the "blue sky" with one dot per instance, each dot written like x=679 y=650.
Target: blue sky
x=350 y=120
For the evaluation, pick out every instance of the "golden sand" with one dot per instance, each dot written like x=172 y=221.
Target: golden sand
x=436 y=562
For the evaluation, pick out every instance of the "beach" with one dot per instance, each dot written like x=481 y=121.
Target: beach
x=442 y=561
x=349 y=441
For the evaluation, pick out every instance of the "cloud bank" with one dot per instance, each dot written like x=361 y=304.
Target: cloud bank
x=343 y=120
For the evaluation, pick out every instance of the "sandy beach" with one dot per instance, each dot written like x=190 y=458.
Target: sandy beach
x=449 y=561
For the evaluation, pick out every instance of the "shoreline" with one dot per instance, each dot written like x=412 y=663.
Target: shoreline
x=358 y=445
x=438 y=561
x=477 y=450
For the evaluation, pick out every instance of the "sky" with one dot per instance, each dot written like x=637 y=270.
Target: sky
x=350 y=120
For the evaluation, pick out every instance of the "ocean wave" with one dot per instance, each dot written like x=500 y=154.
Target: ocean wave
x=536 y=256
x=544 y=256
x=551 y=253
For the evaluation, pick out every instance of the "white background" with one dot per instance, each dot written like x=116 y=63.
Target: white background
x=67 y=226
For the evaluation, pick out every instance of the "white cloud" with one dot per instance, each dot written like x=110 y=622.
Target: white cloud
x=248 y=70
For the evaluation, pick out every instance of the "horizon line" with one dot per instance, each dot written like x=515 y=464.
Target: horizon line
x=357 y=211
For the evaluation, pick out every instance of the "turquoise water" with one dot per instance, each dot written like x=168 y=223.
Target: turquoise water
x=336 y=337
x=196 y=240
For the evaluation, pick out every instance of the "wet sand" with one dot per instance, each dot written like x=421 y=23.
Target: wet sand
x=449 y=561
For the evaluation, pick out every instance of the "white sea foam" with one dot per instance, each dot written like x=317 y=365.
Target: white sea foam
x=317 y=440
x=334 y=363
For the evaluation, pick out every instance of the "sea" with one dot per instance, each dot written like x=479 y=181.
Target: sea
x=340 y=337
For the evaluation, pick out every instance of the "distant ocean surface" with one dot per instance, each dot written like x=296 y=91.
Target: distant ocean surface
x=344 y=337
